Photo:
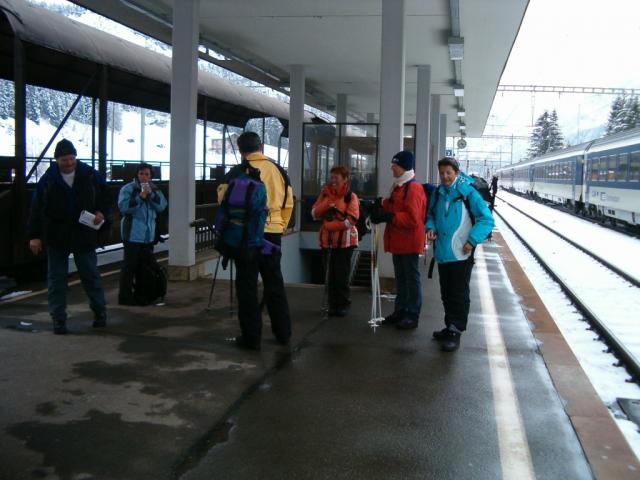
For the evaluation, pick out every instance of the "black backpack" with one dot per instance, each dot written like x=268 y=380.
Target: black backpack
x=150 y=282
x=481 y=185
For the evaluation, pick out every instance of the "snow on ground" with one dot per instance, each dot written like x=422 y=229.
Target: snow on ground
x=613 y=300
x=619 y=249
x=608 y=380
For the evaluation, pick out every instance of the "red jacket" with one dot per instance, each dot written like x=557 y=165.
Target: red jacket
x=405 y=233
x=339 y=225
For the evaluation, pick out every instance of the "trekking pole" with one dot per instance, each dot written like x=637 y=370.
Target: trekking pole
x=231 y=287
x=325 y=295
x=213 y=283
x=376 y=302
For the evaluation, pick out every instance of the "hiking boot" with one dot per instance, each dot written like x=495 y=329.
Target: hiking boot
x=407 y=324
x=451 y=342
x=392 y=319
x=242 y=344
x=440 y=335
x=60 y=327
x=100 y=319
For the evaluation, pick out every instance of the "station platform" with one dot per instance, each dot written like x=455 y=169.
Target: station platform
x=160 y=393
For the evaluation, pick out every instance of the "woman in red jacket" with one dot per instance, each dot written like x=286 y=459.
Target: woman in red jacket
x=339 y=209
x=404 y=236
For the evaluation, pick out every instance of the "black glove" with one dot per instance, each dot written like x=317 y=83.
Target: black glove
x=381 y=217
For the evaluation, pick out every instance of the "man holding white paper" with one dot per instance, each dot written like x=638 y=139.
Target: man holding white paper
x=60 y=223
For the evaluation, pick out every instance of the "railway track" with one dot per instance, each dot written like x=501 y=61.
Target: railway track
x=605 y=298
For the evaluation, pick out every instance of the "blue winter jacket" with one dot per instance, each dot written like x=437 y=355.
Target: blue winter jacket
x=138 y=224
x=451 y=222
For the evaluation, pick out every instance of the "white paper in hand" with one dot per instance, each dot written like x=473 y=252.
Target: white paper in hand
x=87 y=218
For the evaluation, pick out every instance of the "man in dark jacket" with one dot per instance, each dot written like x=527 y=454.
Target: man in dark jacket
x=68 y=193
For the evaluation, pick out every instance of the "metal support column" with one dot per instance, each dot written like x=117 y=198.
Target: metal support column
x=422 y=123
x=20 y=151
x=442 y=140
x=341 y=108
x=434 y=138
x=103 y=122
x=296 y=120
x=392 y=76
x=184 y=96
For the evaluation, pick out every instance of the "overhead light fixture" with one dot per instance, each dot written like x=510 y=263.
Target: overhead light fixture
x=456 y=48
x=458 y=90
x=463 y=126
x=461 y=112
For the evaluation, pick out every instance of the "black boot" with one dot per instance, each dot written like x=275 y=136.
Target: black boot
x=407 y=324
x=392 y=319
x=100 y=319
x=440 y=334
x=59 y=327
x=452 y=341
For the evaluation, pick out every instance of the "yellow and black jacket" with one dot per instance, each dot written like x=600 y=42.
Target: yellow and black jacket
x=279 y=191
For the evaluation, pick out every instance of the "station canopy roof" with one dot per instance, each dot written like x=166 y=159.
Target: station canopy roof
x=338 y=42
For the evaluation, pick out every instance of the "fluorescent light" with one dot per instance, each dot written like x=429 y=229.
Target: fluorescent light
x=458 y=90
x=456 y=48
x=463 y=126
x=461 y=113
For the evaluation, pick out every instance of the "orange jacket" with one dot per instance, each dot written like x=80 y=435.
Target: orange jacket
x=338 y=228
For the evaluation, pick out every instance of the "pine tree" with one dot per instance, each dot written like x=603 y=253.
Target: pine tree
x=631 y=113
x=546 y=136
x=556 y=140
x=617 y=113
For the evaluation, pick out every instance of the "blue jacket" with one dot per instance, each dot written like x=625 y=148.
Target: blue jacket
x=55 y=209
x=138 y=224
x=451 y=222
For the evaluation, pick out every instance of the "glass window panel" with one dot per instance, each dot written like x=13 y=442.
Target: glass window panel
x=623 y=164
x=634 y=166
x=611 y=168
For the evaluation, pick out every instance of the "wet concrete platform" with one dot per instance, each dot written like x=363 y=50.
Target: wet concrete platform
x=161 y=394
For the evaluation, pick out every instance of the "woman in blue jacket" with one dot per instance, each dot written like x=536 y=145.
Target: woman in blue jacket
x=458 y=221
x=140 y=202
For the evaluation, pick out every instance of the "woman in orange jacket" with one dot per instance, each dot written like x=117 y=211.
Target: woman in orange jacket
x=339 y=209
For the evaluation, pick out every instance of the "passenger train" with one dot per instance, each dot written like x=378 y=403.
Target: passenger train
x=600 y=178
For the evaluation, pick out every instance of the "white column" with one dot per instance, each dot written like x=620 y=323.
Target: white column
x=341 y=108
x=391 y=89
x=143 y=114
x=391 y=101
x=442 y=144
x=182 y=186
x=434 y=138
x=422 y=122
x=296 y=119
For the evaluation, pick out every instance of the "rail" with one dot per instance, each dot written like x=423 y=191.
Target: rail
x=616 y=346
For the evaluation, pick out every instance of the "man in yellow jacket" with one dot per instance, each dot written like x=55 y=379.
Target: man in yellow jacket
x=280 y=205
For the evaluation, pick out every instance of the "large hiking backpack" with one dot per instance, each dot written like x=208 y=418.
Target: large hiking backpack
x=150 y=281
x=240 y=220
x=481 y=185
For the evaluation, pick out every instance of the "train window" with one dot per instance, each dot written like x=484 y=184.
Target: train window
x=602 y=169
x=623 y=163
x=611 y=168
x=594 y=169
x=634 y=166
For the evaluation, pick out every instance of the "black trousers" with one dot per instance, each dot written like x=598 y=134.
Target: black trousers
x=274 y=296
x=454 y=291
x=134 y=253
x=339 y=267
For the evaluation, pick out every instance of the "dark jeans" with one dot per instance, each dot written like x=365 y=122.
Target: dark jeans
x=408 y=285
x=274 y=296
x=133 y=254
x=339 y=268
x=58 y=279
x=454 y=291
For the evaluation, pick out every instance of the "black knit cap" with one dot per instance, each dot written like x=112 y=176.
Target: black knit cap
x=64 y=147
x=404 y=159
